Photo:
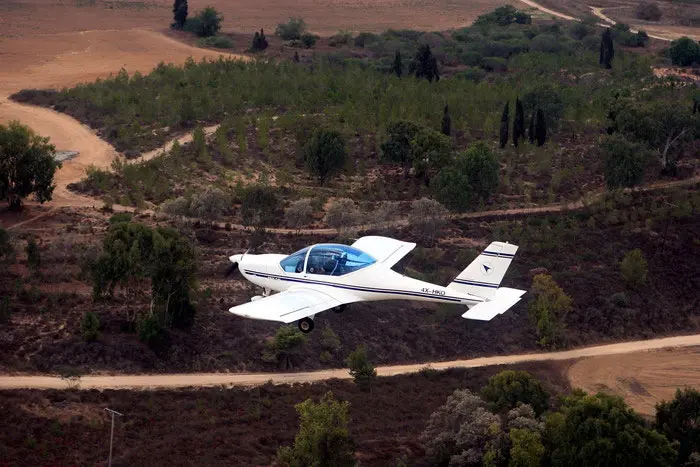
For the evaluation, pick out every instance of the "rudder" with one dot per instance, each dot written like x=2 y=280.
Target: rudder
x=484 y=275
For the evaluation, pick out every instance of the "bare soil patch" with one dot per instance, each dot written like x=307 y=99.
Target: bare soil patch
x=642 y=378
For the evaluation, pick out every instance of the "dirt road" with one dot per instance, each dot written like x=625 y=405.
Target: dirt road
x=213 y=379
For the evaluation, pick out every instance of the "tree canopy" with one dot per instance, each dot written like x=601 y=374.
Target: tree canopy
x=27 y=165
x=509 y=388
x=625 y=161
x=323 y=438
x=424 y=64
x=679 y=420
x=397 y=147
x=325 y=154
x=548 y=310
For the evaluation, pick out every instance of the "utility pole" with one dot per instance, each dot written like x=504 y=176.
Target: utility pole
x=111 y=436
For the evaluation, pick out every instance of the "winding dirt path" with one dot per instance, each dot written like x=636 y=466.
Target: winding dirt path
x=257 y=379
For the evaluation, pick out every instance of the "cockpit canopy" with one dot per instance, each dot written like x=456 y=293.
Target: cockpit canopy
x=328 y=259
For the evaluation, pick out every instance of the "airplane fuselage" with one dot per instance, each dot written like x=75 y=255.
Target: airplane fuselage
x=376 y=282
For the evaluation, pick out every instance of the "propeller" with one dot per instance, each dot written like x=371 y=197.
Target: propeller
x=235 y=260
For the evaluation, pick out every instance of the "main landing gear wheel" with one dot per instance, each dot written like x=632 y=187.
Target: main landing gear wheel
x=306 y=325
x=340 y=308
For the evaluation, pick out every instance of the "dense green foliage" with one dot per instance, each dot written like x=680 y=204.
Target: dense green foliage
x=505 y=124
x=582 y=430
x=446 y=124
x=134 y=253
x=6 y=246
x=602 y=430
x=361 y=370
x=684 y=51
x=180 y=13
x=292 y=30
x=397 y=147
x=424 y=64
x=259 y=42
x=259 y=205
x=679 y=420
x=504 y=16
x=634 y=268
x=219 y=42
x=607 y=51
x=470 y=179
x=284 y=348
x=507 y=389
x=27 y=165
x=206 y=23
x=548 y=310
x=518 y=123
x=625 y=161
x=430 y=152
x=323 y=438
x=325 y=154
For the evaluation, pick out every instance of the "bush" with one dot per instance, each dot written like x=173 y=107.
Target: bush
x=323 y=438
x=209 y=204
x=176 y=207
x=546 y=43
x=397 y=147
x=341 y=38
x=579 y=30
x=496 y=64
x=366 y=38
x=206 y=23
x=507 y=389
x=634 y=268
x=684 y=52
x=6 y=246
x=325 y=154
x=548 y=311
x=504 y=16
x=649 y=11
x=342 y=212
x=678 y=420
x=90 y=326
x=259 y=206
x=548 y=98
x=219 y=42
x=624 y=161
x=361 y=370
x=430 y=152
x=299 y=213
x=427 y=217
x=285 y=347
x=292 y=30
x=151 y=332
x=33 y=254
x=309 y=40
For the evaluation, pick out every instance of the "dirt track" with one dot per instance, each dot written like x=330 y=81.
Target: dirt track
x=213 y=379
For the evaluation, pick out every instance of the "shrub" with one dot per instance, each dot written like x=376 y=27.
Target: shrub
x=33 y=254
x=427 y=217
x=397 y=147
x=634 y=268
x=546 y=43
x=151 y=332
x=259 y=41
x=89 y=326
x=342 y=212
x=309 y=40
x=496 y=64
x=430 y=152
x=285 y=347
x=299 y=213
x=624 y=161
x=649 y=11
x=176 y=207
x=325 y=154
x=548 y=98
x=207 y=22
x=6 y=246
x=579 y=30
x=292 y=30
x=684 y=52
x=678 y=420
x=323 y=438
x=504 y=16
x=473 y=176
x=366 y=38
x=259 y=206
x=361 y=370
x=209 y=204
x=548 y=310
x=507 y=389
x=5 y=309
x=219 y=42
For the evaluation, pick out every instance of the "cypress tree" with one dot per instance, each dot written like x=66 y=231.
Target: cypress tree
x=518 y=123
x=504 y=126
x=531 y=132
x=259 y=41
x=180 y=13
x=397 y=67
x=446 y=122
x=540 y=128
x=607 y=52
x=296 y=56
x=425 y=64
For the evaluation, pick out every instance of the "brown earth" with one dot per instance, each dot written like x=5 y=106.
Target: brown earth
x=642 y=378
x=324 y=17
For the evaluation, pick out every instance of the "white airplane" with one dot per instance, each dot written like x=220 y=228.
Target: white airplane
x=330 y=276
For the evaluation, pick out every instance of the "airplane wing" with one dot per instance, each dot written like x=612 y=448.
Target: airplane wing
x=385 y=250
x=293 y=304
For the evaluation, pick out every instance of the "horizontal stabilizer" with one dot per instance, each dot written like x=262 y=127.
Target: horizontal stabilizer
x=484 y=275
x=485 y=311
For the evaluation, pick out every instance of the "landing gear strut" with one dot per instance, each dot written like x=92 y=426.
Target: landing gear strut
x=306 y=325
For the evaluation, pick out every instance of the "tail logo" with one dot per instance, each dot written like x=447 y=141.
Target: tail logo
x=486 y=269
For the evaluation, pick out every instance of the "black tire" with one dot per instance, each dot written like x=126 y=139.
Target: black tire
x=339 y=309
x=306 y=325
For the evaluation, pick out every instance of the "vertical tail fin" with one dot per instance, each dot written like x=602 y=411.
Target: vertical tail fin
x=483 y=276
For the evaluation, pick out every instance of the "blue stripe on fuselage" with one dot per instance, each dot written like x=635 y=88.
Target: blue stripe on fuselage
x=352 y=287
